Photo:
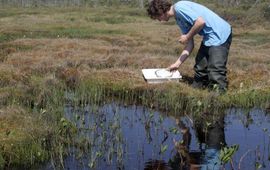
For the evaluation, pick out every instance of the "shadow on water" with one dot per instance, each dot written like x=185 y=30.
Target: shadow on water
x=134 y=137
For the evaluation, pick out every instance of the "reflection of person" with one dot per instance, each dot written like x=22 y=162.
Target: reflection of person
x=192 y=18
x=210 y=135
x=156 y=165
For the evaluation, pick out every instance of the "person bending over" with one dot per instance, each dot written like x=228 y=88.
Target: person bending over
x=193 y=18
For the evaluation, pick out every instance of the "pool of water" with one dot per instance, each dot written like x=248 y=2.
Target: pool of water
x=114 y=136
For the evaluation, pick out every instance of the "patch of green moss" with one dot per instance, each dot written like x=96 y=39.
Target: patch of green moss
x=254 y=39
x=110 y=19
x=60 y=32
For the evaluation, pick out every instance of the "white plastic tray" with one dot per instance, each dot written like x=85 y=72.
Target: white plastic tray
x=160 y=75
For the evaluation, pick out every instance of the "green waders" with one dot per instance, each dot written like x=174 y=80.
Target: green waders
x=210 y=66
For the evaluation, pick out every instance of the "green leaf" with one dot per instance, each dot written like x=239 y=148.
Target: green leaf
x=227 y=153
x=151 y=114
x=174 y=130
x=258 y=165
x=163 y=148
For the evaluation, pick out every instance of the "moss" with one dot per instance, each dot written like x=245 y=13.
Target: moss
x=60 y=32
x=254 y=39
x=5 y=37
x=110 y=19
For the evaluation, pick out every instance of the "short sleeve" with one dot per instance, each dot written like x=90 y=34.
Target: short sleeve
x=189 y=13
x=185 y=16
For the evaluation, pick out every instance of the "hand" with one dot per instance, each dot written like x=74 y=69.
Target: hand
x=173 y=67
x=183 y=39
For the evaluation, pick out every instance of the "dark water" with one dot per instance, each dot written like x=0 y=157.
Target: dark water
x=134 y=137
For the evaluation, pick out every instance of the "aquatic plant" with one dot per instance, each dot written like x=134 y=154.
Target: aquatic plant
x=227 y=153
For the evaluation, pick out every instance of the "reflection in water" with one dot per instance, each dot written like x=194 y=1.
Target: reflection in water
x=156 y=165
x=210 y=136
x=135 y=138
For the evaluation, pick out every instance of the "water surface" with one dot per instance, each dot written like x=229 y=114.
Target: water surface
x=133 y=137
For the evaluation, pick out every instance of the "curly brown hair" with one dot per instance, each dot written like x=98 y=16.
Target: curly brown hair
x=158 y=7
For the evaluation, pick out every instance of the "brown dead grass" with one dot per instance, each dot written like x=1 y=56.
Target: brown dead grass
x=15 y=125
x=48 y=56
x=143 y=44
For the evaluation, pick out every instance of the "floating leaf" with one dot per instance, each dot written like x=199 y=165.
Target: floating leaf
x=151 y=115
x=99 y=154
x=161 y=118
x=258 y=165
x=174 y=130
x=163 y=148
x=77 y=117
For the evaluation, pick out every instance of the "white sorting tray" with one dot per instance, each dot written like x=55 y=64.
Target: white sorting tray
x=160 y=75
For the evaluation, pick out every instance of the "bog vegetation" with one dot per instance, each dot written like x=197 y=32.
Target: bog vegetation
x=79 y=51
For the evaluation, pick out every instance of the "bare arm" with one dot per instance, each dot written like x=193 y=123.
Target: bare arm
x=187 y=39
x=197 y=27
x=184 y=55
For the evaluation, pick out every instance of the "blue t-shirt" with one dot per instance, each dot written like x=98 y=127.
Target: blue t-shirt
x=215 y=31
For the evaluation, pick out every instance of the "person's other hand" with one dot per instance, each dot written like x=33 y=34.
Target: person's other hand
x=183 y=39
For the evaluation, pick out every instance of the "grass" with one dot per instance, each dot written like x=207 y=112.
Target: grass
x=19 y=137
x=254 y=38
x=97 y=54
